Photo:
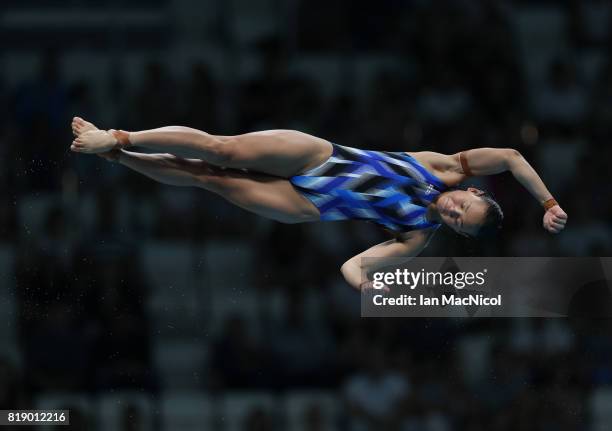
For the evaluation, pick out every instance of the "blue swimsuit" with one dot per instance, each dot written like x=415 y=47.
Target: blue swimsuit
x=388 y=188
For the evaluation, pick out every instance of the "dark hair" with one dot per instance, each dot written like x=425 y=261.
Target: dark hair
x=493 y=217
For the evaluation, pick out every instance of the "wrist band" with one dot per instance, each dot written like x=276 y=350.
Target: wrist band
x=123 y=139
x=464 y=164
x=549 y=204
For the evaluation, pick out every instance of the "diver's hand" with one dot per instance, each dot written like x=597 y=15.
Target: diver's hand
x=554 y=219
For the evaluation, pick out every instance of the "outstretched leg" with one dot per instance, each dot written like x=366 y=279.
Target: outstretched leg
x=265 y=195
x=282 y=153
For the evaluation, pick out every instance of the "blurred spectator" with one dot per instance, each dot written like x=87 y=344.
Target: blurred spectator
x=11 y=386
x=601 y=103
x=263 y=97
x=315 y=419
x=177 y=204
x=123 y=347
x=40 y=113
x=301 y=346
x=81 y=100
x=557 y=156
x=390 y=103
x=43 y=272
x=238 y=360
x=44 y=98
x=331 y=32
x=107 y=239
x=201 y=100
x=444 y=100
x=338 y=123
x=289 y=264
x=79 y=420
x=155 y=101
x=59 y=351
x=278 y=97
x=374 y=394
x=561 y=99
x=131 y=418
x=258 y=419
x=8 y=218
x=589 y=22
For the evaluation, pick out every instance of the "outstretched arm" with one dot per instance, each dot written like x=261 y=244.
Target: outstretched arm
x=490 y=161
x=409 y=246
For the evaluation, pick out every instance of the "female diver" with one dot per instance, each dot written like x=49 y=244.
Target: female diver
x=293 y=177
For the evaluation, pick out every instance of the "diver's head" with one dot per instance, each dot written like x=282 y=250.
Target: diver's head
x=471 y=212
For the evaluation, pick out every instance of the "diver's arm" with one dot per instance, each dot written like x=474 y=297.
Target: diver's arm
x=490 y=161
x=411 y=245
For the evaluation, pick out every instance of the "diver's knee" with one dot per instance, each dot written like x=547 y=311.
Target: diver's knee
x=224 y=151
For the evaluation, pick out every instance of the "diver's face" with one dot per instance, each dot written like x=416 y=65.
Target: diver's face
x=464 y=211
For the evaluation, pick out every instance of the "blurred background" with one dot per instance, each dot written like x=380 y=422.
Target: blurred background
x=146 y=307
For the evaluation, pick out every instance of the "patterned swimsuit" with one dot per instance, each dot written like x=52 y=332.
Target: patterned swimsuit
x=391 y=189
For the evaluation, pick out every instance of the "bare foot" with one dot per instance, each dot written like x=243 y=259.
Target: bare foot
x=90 y=139
x=94 y=142
x=80 y=126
